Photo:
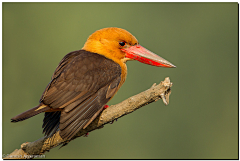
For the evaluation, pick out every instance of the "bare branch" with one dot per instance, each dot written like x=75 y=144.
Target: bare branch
x=40 y=146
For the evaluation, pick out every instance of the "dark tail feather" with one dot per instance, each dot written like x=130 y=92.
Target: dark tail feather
x=30 y=113
x=51 y=123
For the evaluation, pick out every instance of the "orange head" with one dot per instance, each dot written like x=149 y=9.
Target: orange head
x=120 y=46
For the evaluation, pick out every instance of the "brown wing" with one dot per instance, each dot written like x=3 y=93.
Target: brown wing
x=81 y=85
x=63 y=63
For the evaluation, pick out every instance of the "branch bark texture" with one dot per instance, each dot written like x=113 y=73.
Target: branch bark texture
x=153 y=94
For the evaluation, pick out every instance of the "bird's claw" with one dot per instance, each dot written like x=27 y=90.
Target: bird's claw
x=113 y=121
x=105 y=107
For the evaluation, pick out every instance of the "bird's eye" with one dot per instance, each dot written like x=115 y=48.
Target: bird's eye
x=122 y=43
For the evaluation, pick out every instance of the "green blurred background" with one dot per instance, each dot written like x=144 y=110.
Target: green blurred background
x=201 y=39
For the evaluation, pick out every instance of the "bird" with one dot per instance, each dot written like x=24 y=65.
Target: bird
x=85 y=80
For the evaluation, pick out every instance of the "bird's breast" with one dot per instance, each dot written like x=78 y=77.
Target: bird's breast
x=123 y=73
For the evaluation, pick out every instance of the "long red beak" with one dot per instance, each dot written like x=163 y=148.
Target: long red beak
x=139 y=53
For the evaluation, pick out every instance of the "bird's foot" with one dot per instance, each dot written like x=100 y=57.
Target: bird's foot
x=113 y=121
x=105 y=107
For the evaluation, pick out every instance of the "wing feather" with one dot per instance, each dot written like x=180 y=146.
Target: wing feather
x=81 y=85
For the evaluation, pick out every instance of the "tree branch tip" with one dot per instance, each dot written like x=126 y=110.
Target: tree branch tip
x=166 y=82
x=154 y=84
x=164 y=98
